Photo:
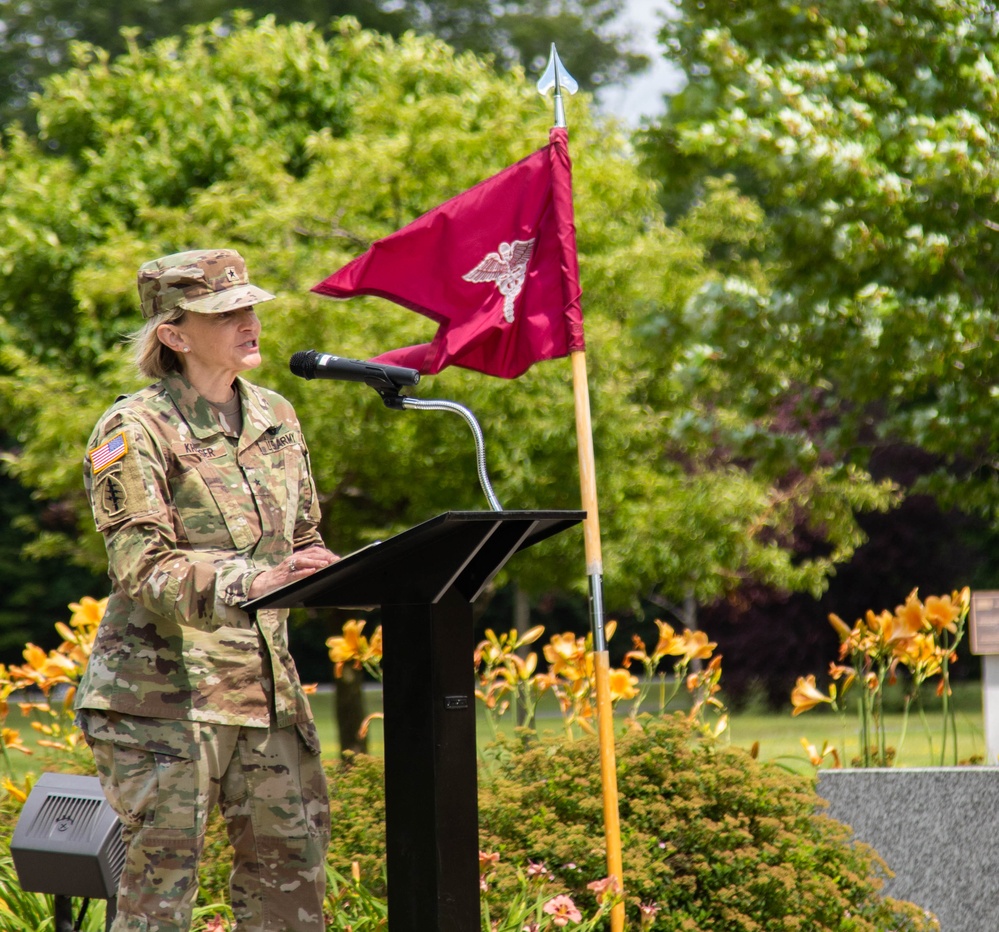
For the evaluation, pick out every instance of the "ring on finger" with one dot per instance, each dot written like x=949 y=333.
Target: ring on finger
x=292 y=566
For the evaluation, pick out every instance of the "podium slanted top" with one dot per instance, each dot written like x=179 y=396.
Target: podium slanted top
x=460 y=550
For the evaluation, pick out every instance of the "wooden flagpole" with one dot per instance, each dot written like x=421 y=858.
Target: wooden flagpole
x=556 y=76
x=601 y=658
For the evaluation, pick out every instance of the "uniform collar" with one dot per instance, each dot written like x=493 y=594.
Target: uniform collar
x=258 y=417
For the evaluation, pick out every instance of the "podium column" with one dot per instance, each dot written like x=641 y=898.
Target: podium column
x=431 y=786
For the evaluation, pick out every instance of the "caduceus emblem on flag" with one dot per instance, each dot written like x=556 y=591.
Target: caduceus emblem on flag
x=508 y=268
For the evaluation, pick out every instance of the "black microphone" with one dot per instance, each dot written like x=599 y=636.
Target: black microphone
x=312 y=365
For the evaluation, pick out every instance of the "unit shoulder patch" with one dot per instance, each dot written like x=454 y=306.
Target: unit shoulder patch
x=119 y=493
x=113 y=495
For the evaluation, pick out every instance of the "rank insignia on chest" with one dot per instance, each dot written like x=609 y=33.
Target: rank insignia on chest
x=113 y=495
x=108 y=452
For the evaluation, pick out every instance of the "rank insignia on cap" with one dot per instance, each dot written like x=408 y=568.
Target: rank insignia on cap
x=108 y=452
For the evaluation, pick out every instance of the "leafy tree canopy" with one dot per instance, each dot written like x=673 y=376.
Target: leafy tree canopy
x=35 y=35
x=867 y=133
x=298 y=150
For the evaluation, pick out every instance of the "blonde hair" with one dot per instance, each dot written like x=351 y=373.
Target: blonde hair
x=153 y=357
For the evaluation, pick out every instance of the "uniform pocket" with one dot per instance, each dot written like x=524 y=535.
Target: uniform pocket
x=276 y=472
x=149 y=790
x=209 y=499
x=310 y=736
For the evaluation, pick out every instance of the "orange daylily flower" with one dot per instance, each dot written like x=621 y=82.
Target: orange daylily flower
x=566 y=655
x=88 y=612
x=530 y=635
x=623 y=685
x=362 y=732
x=78 y=636
x=43 y=670
x=524 y=667
x=816 y=757
x=353 y=647
x=11 y=738
x=839 y=672
x=545 y=681
x=638 y=653
x=909 y=619
x=879 y=625
x=921 y=655
x=68 y=743
x=492 y=649
x=842 y=628
x=806 y=695
x=14 y=790
x=942 y=613
x=696 y=646
x=669 y=641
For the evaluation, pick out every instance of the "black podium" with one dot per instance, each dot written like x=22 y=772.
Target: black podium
x=425 y=580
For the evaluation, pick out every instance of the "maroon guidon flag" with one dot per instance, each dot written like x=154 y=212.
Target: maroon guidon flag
x=496 y=267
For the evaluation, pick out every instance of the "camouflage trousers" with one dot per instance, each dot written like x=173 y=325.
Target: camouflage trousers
x=271 y=790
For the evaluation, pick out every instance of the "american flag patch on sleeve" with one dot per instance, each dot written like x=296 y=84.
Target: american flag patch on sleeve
x=108 y=452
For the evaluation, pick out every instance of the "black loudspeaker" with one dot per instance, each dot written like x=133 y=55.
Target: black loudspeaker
x=68 y=839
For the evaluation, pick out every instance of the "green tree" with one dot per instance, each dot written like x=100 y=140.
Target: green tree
x=299 y=160
x=35 y=35
x=867 y=133
x=520 y=32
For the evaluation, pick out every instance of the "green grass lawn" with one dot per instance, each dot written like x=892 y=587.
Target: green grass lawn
x=777 y=733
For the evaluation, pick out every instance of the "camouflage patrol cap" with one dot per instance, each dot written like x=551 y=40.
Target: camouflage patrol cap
x=207 y=281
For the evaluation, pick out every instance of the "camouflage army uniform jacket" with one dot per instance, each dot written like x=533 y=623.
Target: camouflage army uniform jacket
x=189 y=518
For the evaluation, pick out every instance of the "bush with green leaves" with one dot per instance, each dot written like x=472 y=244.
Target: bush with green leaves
x=712 y=838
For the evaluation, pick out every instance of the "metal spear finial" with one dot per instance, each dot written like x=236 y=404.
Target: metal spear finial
x=556 y=76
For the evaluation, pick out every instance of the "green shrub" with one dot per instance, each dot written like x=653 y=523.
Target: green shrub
x=357 y=814
x=715 y=839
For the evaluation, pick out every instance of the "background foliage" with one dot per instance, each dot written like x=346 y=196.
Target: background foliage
x=788 y=287
x=300 y=161
x=36 y=35
x=711 y=838
x=865 y=136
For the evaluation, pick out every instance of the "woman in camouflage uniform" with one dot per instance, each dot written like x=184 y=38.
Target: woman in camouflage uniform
x=202 y=488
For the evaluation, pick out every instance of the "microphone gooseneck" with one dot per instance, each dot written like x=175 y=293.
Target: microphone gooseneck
x=387 y=381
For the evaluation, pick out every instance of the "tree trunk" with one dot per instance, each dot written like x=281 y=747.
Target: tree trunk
x=348 y=701
x=348 y=696
x=521 y=622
